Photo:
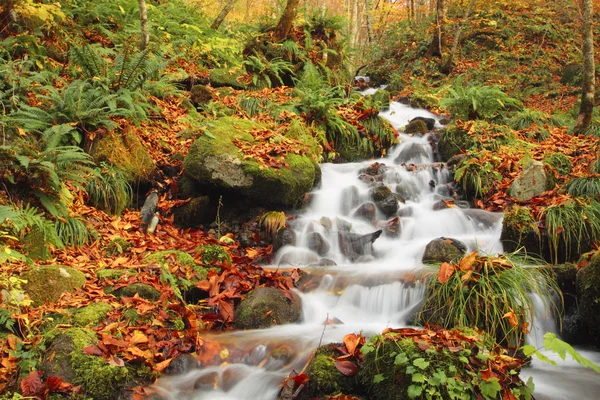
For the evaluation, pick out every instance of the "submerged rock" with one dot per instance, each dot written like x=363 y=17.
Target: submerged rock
x=416 y=126
x=442 y=250
x=182 y=364
x=430 y=122
x=342 y=225
x=317 y=243
x=350 y=199
x=414 y=152
x=366 y=211
x=284 y=237
x=408 y=190
x=296 y=256
x=264 y=307
x=353 y=245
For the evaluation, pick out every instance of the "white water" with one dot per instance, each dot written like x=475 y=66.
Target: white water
x=382 y=289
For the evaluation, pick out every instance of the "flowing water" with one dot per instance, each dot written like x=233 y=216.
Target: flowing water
x=366 y=292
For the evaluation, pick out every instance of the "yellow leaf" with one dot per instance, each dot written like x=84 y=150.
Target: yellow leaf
x=138 y=337
x=224 y=354
x=466 y=263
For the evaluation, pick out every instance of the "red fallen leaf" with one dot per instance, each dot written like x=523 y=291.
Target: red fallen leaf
x=446 y=271
x=211 y=317
x=54 y=383
x=31 y=384
x=508 y=395
x=488 y=374
x=116 y=361
x=299 y=379
x=423 y=345
x=346 y=367
x=92 y=351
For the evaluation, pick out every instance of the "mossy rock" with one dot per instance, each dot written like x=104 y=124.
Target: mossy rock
x=141 y=289
x=188 y=187
x=99 y=380
x=416 y=126
x=168 y=257
x=452 y=141
x=264 y=307
x=442 y=250
x=92 y=314
x=48 y=282
x=520 y=230
x=382 y=99
x=117 y=246
x=199 y=210
x=561 y=163
x=218 y=162
x=588 y=293
x=126 y=152
x=221 y=77
x=110 y=273
x=324 y=379
x=214 y=253
x=200 y=95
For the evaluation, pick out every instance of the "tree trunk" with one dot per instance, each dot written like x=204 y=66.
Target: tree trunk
x=586 y=109
x=223 y=14
x=144 y=24
x=439 y=40
x=284 y=26
x=448 y=64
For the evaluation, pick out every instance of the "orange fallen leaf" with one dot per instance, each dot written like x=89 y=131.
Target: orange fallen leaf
x=512 y=318
x=446 y=271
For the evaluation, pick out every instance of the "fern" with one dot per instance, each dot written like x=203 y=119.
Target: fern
x=58 y=135
x=73 y=231
x=561 y=348
x=110 y=190
x=91 y=63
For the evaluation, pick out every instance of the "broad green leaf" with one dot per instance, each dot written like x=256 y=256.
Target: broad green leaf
x=419 y=378
x=490 y=388
x=421 y=363
x=378 y=378
x=414 y=391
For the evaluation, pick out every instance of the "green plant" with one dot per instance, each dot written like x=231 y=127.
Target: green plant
x=560 y=162
x=572 y=223
x=266 y=72
x=272 y=222
x=476 y=178
x=73 y=231
x=110 y=190
x=490 y=293
x=557 y=346
x=527 y=117
x=588 y=186
x=477 y=102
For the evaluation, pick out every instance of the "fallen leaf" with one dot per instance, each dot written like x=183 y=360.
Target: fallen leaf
x=466 y=264
x=31 y=384
x=347 y=368
x=512 y=318
x=446 y=271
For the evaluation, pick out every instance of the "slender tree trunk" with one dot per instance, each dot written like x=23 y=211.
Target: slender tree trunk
x=223 y=14
x=439 y=40
x=144 y=24
x=586 y=109
x=448 y=64
x=284 y=26
x=368 y=20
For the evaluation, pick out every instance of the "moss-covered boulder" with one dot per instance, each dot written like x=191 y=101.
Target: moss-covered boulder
x=214 y=253
x=92 y=314
x=520 y=230
x=264 y=307
x=111 y=273
x=99 y=380
x=324 y=379
x=199 y=210
x=442 y=250
x=452 y=141
x=217 y=161
x=588 y=293
x=141 y=289
x=531 y=182
x=416 y=126
x=117 y=246
x=200 y=95
x=48 y=282
x=126 y=152
x=221 y=77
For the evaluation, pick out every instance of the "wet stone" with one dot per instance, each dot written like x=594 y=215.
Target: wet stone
x=182 y=364
x=366 y=212
x=317 y=243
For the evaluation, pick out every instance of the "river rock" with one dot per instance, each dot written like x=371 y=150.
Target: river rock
x=388 y=206
x=141 y=289
x=380 y=193
x=531 y=182
x=366 y=178
x=264 y=307
x=284 y=237
x=484 y=218
x=442 y=250
x=375 y=169
x=182 y=364
x=350 y=199
x=408 y=190
x=440 y=205
x=216 y=161
x=342 y=225
x=353 y=245
x=390 y=228
x=430 y=122
x=326 y=223
x=366 y=212
x=296 y=256
x=317 y=243
x=412 y=153
x=49 y=282
x=416 y=126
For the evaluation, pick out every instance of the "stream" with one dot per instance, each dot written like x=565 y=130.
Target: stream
x=377 y=289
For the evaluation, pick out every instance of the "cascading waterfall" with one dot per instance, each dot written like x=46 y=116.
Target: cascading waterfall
x=366 y=292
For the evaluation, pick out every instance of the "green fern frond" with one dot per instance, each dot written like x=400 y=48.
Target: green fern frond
x=110 y=190
x=59 y=135
x=73 y=231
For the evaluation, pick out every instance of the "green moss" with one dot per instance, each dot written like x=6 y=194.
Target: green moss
x=452 y=141
x=48 y=282
x=131 y=315
x=126 y=152
x=298 y=130
x=92 y=314
x=324 y=378
x=264 y=307
x=220 y=77
x=561 y=163
x=109 y=273
x=213 y=253
x=117 y=246
x=588 y=289
x=200 y=95
x=163 y=257
x=381 y=98
x=417 y=126
x=143 y=290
